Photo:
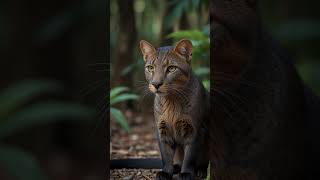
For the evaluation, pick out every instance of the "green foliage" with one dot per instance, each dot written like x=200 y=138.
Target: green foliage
x=121 y=119
x=208 y=172
x=15 y=96
x=123 y=97
x=206 y=84
x=117 y=95
x=202 y=71
x=190 y=34
x=42 y=113
x=176 y=14
x=21 y=165
x=183 y=6
x=117 y=90
x=310 y=74
x=19 y=111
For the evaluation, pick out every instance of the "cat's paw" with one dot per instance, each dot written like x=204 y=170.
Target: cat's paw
x=185 y=176
x=176 y=168
x=163 y=176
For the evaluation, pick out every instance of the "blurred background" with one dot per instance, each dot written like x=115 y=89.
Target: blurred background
x=296 y=26
x=53 y=89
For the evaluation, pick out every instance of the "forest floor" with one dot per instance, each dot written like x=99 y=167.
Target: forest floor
x=140 y=142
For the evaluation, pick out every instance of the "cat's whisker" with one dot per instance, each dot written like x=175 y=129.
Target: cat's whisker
x=233 y=105
x=243 y=100
x=223 y=109
x=145 y=93
x=181 y=93
x=227 y=77
x=92 y=87
x=100 y=63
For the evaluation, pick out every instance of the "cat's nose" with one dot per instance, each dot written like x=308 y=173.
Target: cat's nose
x=157 y=84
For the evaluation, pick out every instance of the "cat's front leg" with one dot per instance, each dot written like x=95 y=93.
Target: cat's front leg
x=167 y=151
x=189 y=162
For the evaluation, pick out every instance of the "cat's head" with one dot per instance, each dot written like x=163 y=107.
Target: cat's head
x=235 y=26
x=234 y=20
x=167 y=69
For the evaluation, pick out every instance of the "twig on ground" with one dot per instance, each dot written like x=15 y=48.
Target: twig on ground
x=146 y=177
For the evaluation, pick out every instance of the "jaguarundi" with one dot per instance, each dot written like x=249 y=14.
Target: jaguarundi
x=181 y=109
x=263 y=119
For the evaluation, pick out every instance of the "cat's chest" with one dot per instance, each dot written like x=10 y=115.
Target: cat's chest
x=174 y=121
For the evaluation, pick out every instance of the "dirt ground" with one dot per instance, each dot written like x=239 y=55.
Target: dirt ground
x=140 y=142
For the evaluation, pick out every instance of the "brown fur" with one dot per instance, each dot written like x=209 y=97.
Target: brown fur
x=180 y=108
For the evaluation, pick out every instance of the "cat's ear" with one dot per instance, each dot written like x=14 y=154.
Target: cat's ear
x=184 y=48
x=146 y=49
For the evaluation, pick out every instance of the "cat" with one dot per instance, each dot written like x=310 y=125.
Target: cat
x=262 y=111
x=181 y=109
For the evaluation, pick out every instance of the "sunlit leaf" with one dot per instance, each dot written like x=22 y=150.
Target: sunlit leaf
x=206 y=84
x=120 y=118
x=208 y=172
x=117 y=90
x=123 y=97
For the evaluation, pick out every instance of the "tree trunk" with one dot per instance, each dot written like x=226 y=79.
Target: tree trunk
x=126 y=43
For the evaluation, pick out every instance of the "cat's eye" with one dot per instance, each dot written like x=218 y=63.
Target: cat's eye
x=150 y=68
x=172 y=68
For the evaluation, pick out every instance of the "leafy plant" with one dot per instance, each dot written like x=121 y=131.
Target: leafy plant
x=208 y=172
x=19 y=110
x=117 y=95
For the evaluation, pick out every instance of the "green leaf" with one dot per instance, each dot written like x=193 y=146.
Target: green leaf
x=20 y=164
x=190 y=34
x=123 y=97
x=117 y=90
x=202 y=71
x=208 y=172
x=43 y=113
x=206 y=84
x=120 y=118
x=21 y=93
